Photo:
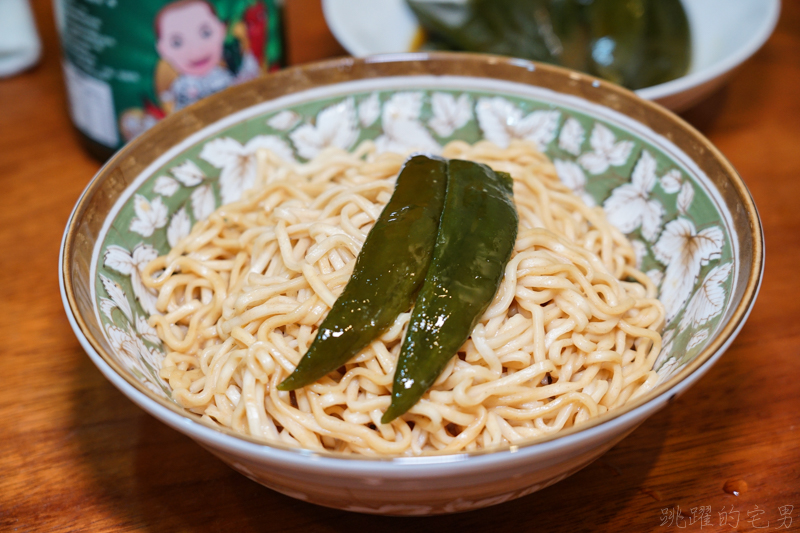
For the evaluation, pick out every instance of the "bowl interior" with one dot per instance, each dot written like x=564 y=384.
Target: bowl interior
x=650 y=193
x=689 y=216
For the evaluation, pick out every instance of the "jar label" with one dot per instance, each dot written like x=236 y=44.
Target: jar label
x=91 y=105
x=129 y=64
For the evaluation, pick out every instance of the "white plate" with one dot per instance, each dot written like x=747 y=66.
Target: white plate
x=724 y=34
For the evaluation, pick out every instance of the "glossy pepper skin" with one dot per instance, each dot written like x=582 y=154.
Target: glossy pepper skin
x=635 y=43
x=638 y=43
x=476 y=237
x=387 y=275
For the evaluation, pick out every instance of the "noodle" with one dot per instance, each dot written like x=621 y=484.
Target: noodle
x=572 y=332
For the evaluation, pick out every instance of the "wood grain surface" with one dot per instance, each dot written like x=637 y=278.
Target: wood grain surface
x=75 y=455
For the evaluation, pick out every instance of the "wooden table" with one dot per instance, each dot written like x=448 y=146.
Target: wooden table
x=75 y=455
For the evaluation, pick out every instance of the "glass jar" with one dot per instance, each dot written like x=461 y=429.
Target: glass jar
x=129 y=64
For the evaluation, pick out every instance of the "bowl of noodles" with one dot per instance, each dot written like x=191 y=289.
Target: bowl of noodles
x=200 y=263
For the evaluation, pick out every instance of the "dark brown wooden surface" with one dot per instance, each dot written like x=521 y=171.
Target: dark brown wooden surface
x=75 y=455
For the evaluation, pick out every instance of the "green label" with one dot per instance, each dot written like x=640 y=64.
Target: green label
x=128 y=64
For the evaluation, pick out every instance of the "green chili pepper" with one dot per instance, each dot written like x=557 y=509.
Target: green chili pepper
x=636 y=43
x=387 y=275
x=476 y=237
x=506 y=27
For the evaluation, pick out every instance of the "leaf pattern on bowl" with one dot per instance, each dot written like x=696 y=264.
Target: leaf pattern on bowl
x=697 y=338
x=188 y=173
x=571 y=137
x=571 y=175
x=130 y=345
x=501 y=121
x=150 y=216
x=131 y=264
x=669 y=219
x=166 y=186
x=685 y=197
x=684 y=251
x=449 y=113
x=606 y=151
x=179 y=226
x=709 y=300
x=369 y=110
x=116 y=299
x=403 y=131
x=237 y=162
x=203 y=202
x=671 y=181
x=284 y=121
x=630 y=206
x=335 y=126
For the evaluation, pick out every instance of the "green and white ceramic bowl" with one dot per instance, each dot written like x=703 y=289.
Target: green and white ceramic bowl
x=690 y=216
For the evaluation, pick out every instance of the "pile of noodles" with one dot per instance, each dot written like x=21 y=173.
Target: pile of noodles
x=572 y=332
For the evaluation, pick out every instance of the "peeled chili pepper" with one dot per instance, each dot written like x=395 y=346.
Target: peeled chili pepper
x=475 y=240
x=388 y=272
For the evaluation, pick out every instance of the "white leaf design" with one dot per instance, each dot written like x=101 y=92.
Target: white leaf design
x=124 y=346
x=131 y=264
x=671 y=181
x=132 y=351
x=236 y=178
x=369 y=110
x=572 y=176
x=501 y=121
x=667 y=369
x=203 y=203
x=685 y=197
x=152 y=356
x=656 y=276
x=449 y=114
x=188 y=173
x=667 y=338
x=179 y=227
x=284 y=121
x=684 y=251
x=539 y=127
x=220 y=151
x=274 y=144
x=141 y=255
x=147 y=332
x=403 y=106
x=117 y=296
x=405 y=136
x=107 y=306
x=709 y=299
x=119 y=259
x=666 y=363
x=696 y=339
x=640 y=250
x=238 y=163
x=571 y=137
x=149 y=215
x=166 y=186
x=629 y=206
x=335 y=126
x=402 y=130
x=605 y=151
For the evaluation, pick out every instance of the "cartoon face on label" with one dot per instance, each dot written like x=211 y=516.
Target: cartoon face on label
x=190 y=37
x=199 y=55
